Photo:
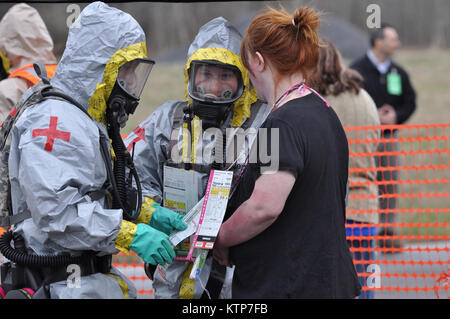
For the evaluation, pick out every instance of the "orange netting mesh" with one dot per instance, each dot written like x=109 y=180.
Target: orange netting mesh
x=407 y=253
x=411 y=175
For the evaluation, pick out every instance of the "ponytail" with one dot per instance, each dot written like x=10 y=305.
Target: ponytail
x=290 y=42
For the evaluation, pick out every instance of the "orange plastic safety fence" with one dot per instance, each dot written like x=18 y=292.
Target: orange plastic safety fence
x=408 y=182
x=133 y=268
x=405 y=253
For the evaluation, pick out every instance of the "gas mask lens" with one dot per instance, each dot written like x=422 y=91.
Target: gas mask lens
x=133 y=75
x=214 y=82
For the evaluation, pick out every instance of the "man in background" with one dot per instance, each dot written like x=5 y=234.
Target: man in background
x=389 y=86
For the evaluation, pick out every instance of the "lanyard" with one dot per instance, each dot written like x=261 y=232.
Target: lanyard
x=293 y=87
x=296 y=86
x=301 y=88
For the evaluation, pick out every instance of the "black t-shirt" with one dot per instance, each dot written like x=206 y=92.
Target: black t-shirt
x=304 y=253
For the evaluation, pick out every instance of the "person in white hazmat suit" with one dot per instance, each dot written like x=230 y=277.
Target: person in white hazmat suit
x=58 y=172
x=177 y=135
x=24 y=39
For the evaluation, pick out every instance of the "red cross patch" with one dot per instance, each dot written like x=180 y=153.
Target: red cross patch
x=51 y=133
x=140 y=132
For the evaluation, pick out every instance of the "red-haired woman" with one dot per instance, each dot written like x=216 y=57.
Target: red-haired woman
x=286 y=234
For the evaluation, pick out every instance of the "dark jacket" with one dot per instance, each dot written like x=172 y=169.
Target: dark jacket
x=375 y=84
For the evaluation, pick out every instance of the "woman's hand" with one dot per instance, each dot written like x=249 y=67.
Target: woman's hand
x=221 y=253
x=258 y=212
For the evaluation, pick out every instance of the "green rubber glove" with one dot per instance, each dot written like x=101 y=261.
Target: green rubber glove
x=152 y=245
x=166 y=220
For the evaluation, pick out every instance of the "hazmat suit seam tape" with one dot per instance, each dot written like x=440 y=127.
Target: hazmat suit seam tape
x=187 y=284
x=5 y=61
x=146 y=211
x=195 y=139
x=111 y=150
x=125 y=236
x=123 y=285
x=241 y=109
x=185 y=144
x=97 y=102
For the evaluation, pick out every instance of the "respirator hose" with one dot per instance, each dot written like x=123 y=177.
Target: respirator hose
x=139 y=191
x=119 y=167
x=22 y=258
x=122 y=161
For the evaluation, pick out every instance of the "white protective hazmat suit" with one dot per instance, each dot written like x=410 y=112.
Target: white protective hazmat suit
x=155 y=137
x=55 y=160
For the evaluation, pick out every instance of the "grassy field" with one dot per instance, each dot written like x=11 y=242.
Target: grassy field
x=429 y=71
x=430 y=74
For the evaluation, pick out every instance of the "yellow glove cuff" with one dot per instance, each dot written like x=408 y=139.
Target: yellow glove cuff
x=125 y=236
x=146 y=211
x=187 y=284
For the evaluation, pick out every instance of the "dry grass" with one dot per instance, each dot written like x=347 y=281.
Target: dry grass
x=429 y=70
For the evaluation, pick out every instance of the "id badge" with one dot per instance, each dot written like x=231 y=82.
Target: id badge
x=180 y=189
x=394 y=83
x=180 y=194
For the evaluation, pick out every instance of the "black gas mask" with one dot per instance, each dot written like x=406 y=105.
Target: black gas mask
x=122 y=102
x=125 y=95
x=213 y=87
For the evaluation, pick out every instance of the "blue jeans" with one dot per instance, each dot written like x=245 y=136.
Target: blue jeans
x=364 y=230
